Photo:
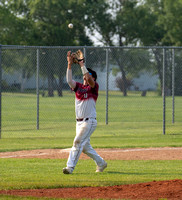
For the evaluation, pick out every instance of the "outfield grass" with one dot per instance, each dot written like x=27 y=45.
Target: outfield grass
x=19 y=110
x=134 y=121
x=47 y=173
x=114 y=135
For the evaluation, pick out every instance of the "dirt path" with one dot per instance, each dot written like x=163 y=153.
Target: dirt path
x=166 y=153
x=171 y=190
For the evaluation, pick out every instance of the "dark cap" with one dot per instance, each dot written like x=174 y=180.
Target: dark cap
x=93 y=73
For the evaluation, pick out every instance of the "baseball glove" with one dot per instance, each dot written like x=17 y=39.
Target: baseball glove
x=78 y=56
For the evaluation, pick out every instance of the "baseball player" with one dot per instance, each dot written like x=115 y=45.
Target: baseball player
x=85 y=101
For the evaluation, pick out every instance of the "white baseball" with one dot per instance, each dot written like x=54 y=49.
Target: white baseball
x=70 y=25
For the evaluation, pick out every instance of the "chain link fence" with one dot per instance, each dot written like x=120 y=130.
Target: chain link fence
x=138 y=85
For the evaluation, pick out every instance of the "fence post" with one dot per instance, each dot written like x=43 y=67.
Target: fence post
x=0 y=85
x=37 y=88
x=173 y=82
x=107 y=83
x=85 y=55
x=164 y=93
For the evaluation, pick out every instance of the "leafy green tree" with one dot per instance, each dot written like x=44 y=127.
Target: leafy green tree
x=47 y=25
x=178 y=72
x=158 y=27
x=172 y=22
x=118 y=24
x=20 y=61
x=100 y=20
x=151 y=31
x=51 y=19
x=130 y=62
x=13 y=29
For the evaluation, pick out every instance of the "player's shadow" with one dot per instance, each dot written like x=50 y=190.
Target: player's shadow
x=114 y=172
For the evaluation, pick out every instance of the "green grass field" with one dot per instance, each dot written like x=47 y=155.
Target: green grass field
x=134 y=121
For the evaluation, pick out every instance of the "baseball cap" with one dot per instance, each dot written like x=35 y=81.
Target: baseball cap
x=93 y=73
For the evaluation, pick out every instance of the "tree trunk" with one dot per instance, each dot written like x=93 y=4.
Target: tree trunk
x=159 y=68
x=60 y=86
x=50 y=84
x=119 y=62
x=124 y=83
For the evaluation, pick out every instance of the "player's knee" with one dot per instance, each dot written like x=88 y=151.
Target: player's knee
x=76 y=145
x=85 y=149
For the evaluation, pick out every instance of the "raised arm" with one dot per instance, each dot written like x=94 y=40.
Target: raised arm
x=69 y=80
x=89 y=79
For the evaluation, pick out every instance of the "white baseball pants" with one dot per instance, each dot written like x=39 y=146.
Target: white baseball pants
x=81 y=143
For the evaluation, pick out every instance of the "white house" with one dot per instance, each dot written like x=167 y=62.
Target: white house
x=146 y=80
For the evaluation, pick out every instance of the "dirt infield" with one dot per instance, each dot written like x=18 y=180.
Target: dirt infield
x=171 y=189
x=166 y=153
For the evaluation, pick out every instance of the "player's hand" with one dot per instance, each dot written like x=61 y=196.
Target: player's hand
x=78 y=57
x=69 y=58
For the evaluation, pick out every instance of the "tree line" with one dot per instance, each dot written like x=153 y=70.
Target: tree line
x=109 y=22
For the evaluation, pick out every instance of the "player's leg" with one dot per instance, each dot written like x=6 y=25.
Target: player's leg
x=83 y=132
x=88 y=150
x=101 y=164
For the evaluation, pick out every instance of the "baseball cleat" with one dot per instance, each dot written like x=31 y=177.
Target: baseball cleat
x=101 y=168
x=67 y=170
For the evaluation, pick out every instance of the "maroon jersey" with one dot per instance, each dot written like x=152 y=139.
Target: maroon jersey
x=85 y=101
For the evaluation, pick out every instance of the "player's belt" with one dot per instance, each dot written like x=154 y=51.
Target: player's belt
x=79 y=120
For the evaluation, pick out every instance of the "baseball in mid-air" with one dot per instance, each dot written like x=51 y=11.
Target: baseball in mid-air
x=70 y=25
